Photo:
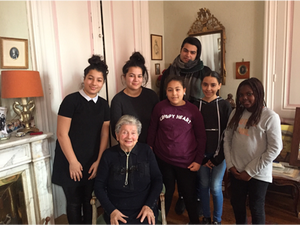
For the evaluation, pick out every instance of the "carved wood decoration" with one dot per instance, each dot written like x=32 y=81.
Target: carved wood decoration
x=206 y=23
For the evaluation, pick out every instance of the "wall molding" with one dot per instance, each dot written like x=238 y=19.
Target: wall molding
x=278 y=57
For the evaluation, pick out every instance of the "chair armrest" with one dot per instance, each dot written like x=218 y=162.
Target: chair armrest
x=94 y=208
x=163 y=209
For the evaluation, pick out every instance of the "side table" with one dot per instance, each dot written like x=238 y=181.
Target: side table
x=295 y=184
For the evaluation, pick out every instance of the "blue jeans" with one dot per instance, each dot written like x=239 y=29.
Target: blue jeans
x=256 y=191
x=210 y=181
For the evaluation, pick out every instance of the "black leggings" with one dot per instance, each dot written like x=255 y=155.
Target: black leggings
x=186 y=182
x=79 y=198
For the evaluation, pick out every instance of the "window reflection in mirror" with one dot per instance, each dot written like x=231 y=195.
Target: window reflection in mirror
x=211 y=51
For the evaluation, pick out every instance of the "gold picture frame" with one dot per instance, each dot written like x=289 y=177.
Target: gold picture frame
x=14 y=53
x=156 y=47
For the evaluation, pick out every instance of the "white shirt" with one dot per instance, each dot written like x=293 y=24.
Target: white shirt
x=88 y=98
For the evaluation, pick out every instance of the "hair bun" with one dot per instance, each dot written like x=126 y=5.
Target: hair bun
x=136 y=56
x=95 y=60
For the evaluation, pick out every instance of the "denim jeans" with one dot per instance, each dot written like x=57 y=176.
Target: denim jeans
x=256 y=191
x=210 y=182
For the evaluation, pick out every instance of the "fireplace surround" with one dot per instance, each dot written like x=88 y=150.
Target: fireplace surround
x=28 y=158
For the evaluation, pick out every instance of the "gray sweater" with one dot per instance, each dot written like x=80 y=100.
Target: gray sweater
x=253 y=150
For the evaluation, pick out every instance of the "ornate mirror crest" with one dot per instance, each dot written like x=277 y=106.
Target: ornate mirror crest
x=205 y=22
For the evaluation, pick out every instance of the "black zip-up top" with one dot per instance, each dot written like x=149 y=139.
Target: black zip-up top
x=215 y=115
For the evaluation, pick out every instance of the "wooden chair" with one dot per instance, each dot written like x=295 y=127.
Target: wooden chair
x=161 y=218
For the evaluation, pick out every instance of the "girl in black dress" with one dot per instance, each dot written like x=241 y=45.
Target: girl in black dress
x=82 y=137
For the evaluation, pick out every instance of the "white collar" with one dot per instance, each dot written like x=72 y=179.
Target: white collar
x=88 y=98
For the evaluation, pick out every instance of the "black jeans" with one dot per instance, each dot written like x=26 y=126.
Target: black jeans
x=77 y=198
x=186 y=182
x=256 y=191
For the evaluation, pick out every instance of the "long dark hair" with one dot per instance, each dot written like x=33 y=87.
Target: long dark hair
x=136 y=60
x=258 y=91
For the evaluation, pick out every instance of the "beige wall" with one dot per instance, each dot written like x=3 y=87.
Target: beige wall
x=13 y=24
x=156 y=26
x=243 y=21
x=13 y=19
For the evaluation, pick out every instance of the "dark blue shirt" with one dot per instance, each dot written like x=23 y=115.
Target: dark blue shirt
x=144 y=180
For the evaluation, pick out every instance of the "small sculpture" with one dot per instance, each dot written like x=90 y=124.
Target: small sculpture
x=231 y=101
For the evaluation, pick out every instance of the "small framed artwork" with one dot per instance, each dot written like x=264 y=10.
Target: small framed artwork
x=14 y=53
x=157 y=68
x=156 y=47
x=242 y=70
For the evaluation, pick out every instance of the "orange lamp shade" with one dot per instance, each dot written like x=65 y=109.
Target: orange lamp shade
x=21 y=84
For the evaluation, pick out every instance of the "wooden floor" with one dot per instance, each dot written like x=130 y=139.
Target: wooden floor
x=279 y=210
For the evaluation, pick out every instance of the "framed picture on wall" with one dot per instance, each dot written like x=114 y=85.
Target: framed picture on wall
x=157 y=68
x=156 y=47
x=14 y=53
x=242 y=70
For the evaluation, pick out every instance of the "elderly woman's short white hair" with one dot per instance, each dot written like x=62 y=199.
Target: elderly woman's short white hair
x=128 y=120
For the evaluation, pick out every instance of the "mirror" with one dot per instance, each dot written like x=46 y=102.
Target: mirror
x=211 y=34
x=295 y=149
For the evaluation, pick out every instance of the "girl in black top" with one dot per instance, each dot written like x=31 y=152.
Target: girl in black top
x=82 y=137
x=135 y=99
x=215 y=112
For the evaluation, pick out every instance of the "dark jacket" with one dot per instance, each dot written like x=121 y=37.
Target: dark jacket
x=215 y=115
x=144 y=180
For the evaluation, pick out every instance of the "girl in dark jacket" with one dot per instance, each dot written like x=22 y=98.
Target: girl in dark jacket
x=215 y=112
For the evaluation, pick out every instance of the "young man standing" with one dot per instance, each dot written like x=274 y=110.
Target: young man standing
x=188 y=65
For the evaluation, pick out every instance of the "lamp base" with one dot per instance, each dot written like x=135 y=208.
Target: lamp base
x=29 y=130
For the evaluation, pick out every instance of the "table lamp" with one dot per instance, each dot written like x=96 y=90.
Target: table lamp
x=22 y=84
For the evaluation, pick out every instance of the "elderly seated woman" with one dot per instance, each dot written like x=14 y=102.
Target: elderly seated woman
x=128 y=181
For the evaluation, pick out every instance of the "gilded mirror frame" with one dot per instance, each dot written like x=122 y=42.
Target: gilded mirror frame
x=205 y=24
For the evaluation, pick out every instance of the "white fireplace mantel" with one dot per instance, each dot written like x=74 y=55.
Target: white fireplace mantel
x=30 y=157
